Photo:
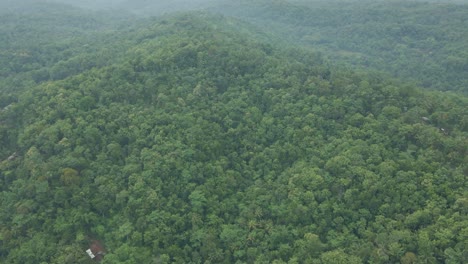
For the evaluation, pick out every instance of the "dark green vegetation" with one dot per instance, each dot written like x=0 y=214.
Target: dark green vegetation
x=192 y=141
x=50 y=42
x=416 y=41
x=426 y=43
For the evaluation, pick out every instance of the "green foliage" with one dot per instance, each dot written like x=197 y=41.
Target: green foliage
x=421 y=42
x=200 y=144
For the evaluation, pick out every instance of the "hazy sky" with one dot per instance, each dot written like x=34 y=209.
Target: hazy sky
x=155 y=7
x=173 y=5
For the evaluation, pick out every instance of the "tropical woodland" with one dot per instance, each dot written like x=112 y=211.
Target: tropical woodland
x=221 y=136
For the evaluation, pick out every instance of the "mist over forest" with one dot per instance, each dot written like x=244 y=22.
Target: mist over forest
x=249 y=131
x=157 y=7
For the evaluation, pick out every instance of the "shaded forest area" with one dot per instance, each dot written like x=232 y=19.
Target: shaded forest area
x=198 y=138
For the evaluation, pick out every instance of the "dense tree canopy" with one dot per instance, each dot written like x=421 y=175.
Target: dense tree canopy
x=196 y=141
x=421 y=42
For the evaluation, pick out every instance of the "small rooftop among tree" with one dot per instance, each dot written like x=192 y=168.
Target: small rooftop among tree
x=96 y=250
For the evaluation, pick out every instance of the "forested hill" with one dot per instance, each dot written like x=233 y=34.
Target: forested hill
x=201 y=144
x=422 y=42
x=42 y=41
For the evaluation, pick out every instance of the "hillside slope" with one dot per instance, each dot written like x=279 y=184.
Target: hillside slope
x=422 y=42
x=201 y=144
